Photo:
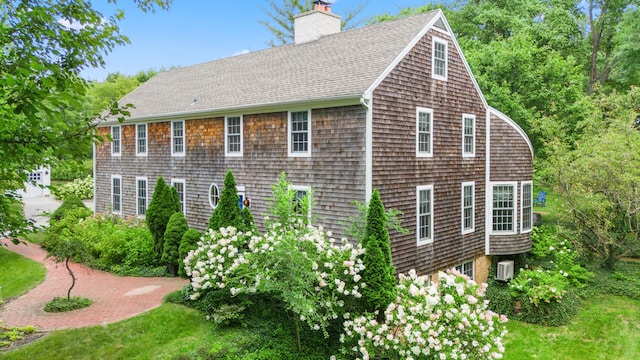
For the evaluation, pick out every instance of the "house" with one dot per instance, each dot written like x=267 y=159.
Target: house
x=391 y=106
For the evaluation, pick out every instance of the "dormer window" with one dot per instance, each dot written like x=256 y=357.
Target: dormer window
x=439 y=59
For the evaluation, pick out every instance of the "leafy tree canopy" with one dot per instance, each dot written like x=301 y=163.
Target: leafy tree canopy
x=44 y=45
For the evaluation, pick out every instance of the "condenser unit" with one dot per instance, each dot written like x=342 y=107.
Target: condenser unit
x=505 y=270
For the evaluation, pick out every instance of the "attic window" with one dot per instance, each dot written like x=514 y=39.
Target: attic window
x=439 y=59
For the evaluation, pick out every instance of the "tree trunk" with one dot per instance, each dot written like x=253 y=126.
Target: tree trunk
x=73 y=279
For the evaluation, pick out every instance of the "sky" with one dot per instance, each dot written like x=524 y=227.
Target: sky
x=196 y=31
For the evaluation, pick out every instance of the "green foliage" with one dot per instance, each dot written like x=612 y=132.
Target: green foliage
x=42 y=93
x=9 y=335
x=355 y=226
x=59 y=304
x=176 y=228
x=164 y=203
x=82 y=188
x=122 y=246
x=226 y=315
x=379 y=273
x=12 y=222
x=554 y=313
x=227 y=213
x=70 y=202
x=598 y=179
x=69 y=170
x=284 y=207
x=64 y=228
x=189 y=242
x=622 y=281
x=247 y=219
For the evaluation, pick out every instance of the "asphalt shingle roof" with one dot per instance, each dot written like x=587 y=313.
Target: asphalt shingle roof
x=335 y=66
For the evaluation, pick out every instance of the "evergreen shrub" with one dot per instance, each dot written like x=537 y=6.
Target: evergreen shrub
x=164 y=203
x=176 y=228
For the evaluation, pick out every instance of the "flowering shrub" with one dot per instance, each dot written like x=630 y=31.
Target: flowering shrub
x=314 y=275
x=449 y=320
x=82 y=188
x=540 y=285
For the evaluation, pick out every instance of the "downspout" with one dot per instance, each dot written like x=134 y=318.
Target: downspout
x=366 y=101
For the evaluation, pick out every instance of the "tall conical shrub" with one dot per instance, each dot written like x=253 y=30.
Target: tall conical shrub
x=176 y=228
x=189 y=242
x=164 y=203
x=379 y=273
x=227 y=213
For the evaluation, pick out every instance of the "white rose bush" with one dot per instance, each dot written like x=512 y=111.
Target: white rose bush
x=447 y=320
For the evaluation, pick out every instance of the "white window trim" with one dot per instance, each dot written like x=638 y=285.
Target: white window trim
x=435 y=40
x=218 y=189
x=514 y=184
x=226 y=137
x=119 y=152
x=522 y=229
x=146 y=182
x=291 y=153
x=146 y=140
x=473 y=153
x=305 y=188
x=184 y=139
x=473 y=207
x=428 y=153
x=119 y=177
x=429 y=240
x=184 y=194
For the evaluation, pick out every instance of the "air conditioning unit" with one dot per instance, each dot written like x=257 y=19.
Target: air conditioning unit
x=505 y=270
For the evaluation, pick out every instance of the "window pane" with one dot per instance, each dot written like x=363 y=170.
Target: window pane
x=503 y=208
x=424 y=216
x=214 y=195
x=440 y=58
x=234 y=129
x=467 y=207
x=115 y=136
x=300 y=131
x=526 y=206
x=178 y=137
x=424 y=132
x=115 y=202
x=142 y=197
x=180 y=190
x=469 y=135
x=142 y=138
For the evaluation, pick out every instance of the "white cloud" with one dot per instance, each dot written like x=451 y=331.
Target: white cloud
x=242 y=52
x=75 y=25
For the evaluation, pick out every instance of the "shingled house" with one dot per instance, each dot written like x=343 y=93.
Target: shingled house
x=391 y=106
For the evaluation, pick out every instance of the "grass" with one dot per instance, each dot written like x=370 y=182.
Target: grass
x=607 y=327
x=18 y=274
x=553 y=211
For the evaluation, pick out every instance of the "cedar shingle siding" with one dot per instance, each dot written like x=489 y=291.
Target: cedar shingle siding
x=373 y=79
x=397 y=171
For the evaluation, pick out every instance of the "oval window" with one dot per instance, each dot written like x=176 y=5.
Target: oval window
x=214 y=195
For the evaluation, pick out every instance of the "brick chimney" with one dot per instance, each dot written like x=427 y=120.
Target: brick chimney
x=316 y=23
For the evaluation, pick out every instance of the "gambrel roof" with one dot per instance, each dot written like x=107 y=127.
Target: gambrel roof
x=338 y=66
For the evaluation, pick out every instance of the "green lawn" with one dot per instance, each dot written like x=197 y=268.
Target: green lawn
x=607 y=327
x=18 y=274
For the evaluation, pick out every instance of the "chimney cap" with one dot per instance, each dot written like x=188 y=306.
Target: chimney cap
x=320 y=2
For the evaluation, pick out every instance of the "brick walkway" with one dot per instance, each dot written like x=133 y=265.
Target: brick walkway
x=114 y=298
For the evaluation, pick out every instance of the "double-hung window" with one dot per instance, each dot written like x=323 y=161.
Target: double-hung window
x=141 y=196
x=177 y=138
x=179 y=185
x=116 y=144
x=233 y=135
x=526 y=217
x=424 y=132
x=468 y=135
x=141 y=139
x=116 y=194
x=504 y=208
x=439 y=59
x=300 y=133
x=468 y=210
x=424 y=214
x=466 y=269
x=301 y=199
